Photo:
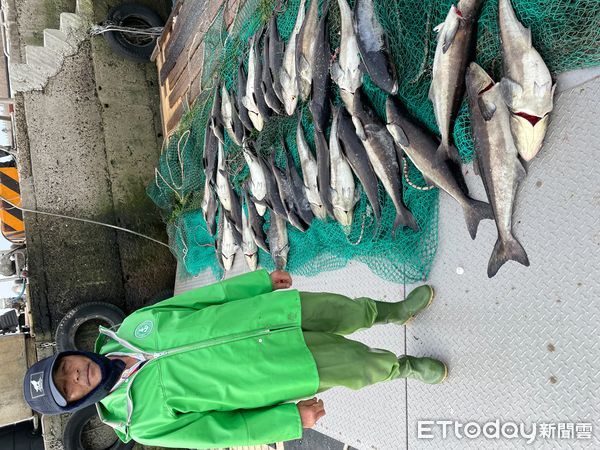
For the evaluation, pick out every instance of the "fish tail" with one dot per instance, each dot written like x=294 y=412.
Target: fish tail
x=405 y=219
x=510 y=249
x=474 y=213
x=449 y=152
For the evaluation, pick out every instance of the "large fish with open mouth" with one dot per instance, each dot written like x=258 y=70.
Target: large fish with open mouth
x=231 y=120
x=255 y=221
x=356 y=155
x=253 y=95
x=249 y=247
x=374 y=47
x=258 y=183
x=497 y=162
x=309 y=173
x=344 y=194
x=278 y=241
x=267 y=81
x=379 y=145
x=319 y=103
x=346 y=71
x=306 y=44
x=421 y=148
x=209 y=208
x=527 y=86
x=288 y=76
x=242 y=81
x=454 y=50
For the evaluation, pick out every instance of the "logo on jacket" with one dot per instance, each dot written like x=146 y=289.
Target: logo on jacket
x=143 y=329
x=37 y=387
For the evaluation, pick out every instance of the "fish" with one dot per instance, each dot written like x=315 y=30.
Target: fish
x=251 y=99
x=454 y=50
x=219 y=244
x=278 y=241
x=234 y=215
x=346 y=72
x=273 y=198
x=286 y=194
x=323 y=171
x=231 y=120
x=374 y=47
x=258 y=183
x=497 y=161
x=309 y=173
x=210 y=156
x=379 y=145
x=242 y=81
x=222 y=181
x=266 y=84
x=249 y=247
x=421 y=148
x=354 y=151
x=307 y=38
x=344 y=194
x=319 y=92
x=288 y=72
x=276 y=50
x=209 y=208
x=301 y=204
x=229 y=245
x=216 y=120
x=255 y=221
x=527 y=86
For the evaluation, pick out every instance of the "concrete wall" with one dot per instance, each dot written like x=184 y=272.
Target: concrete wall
x=13 y=407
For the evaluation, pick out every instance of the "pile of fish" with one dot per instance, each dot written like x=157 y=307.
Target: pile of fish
x=362 y=150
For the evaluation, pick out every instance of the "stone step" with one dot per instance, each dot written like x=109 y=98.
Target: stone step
x=43 y=58
x=23 y=78
x=58 y=41
x=71 y=24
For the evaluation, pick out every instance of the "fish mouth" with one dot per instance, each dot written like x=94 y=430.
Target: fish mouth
x=533 y=120
x=487 y=88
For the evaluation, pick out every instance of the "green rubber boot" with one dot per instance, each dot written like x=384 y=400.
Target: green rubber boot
x=426 y=370
x=402 y=312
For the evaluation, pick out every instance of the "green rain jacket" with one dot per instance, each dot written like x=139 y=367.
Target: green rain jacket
x=225 y=359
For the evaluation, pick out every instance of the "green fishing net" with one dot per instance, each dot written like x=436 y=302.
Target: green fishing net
x=565 y=32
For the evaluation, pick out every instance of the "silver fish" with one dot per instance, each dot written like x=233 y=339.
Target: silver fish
x=273 y=197
x=216 y=119
x=455 y=46
x=288 y=73
x=527 y=86
x=323 y=171
x=319 y=103
x=231 y=120
x=249 y=247
x=278 y=241
x=266 y=85
x=258 y=184
x=286 y=193
x=356 y=155
x=234 y=215
x=374 y=47
x=421 y=148
x=242 y=81
x=304 y=52
x=309 y=174
x=229 y=246
x=343 y=189
x=219 y=244
x=222 y=182
x=276 y=50
x=250 y=99
x=497 y=162
x=210 y=156
x=209 y=207
x=379 y=145
x=346 y=71
x=301 y=204
x=255 y=221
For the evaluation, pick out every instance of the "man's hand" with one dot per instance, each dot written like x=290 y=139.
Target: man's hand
x=280 y=279
x=310 y=411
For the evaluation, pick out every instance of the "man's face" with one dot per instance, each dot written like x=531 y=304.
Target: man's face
x=75 y=376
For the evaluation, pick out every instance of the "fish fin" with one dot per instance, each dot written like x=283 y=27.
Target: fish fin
x=406 y=220
x=510 y=89
x=398 y=134
x=360 y=130
x=336 y=71
x=475 y=213
x=448 y=153
x=520 y=170
x=540 y=89
x=245 y=102
x=476 y=164
x=505 y=251
x=449 y=35
x=431 y=94
x=486 y=107
x=438 y=28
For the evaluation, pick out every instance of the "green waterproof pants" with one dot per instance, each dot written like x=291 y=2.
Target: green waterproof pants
x=340 y=361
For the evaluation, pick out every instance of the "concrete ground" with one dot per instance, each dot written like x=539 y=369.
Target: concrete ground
x=522 y=347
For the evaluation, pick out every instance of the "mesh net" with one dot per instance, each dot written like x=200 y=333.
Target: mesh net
x=565 y=32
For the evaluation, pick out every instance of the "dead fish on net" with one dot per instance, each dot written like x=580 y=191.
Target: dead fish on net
x=278 y=241
x=251 y=98
x=305 y=49
x=242 y=81
x=267 y=82
x=221 y=180
x=288 y=73
x=527 y=85
x=374 y=47
x=356 y=155
x=272 y=199
x=258 y=183
x=497 y=162
x=255 y=221
x=301 y=204
x=216 y=119
x=209 y=208
x=344 y=194
x=346 y=71
x=228 y=198
x=276 y=50
x=231 y=120
x=229 y=245
x=309 y=173
x=454 y=51
x=421 y=148
x=249 y=247
x=323 y=171
x=286 y=194
x=210 y=156
x=320 y=106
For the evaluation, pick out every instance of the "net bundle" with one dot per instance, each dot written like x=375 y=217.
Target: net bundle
x=565 y=32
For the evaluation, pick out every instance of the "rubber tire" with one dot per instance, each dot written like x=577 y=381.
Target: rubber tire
x=121 y=46
x=75 y=426
x=68 y=326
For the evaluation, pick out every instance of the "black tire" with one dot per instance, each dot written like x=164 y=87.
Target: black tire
x=67 y=332
x=76 y=435
x=137 y=48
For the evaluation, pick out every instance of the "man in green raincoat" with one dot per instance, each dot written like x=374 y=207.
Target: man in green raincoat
x=222 y=365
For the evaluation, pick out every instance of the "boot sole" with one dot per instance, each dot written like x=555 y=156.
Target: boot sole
x=426 y=306
x=445 y=374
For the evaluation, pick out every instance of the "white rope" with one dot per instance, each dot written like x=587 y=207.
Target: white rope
x=101 y=29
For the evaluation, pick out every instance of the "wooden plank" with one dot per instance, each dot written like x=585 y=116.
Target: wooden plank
x=182 y=61
x=175 y=117
x=193 y=68
x=166 y=30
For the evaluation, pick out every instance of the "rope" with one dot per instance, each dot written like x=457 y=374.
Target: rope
x=101 y=29
x=411 y=184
